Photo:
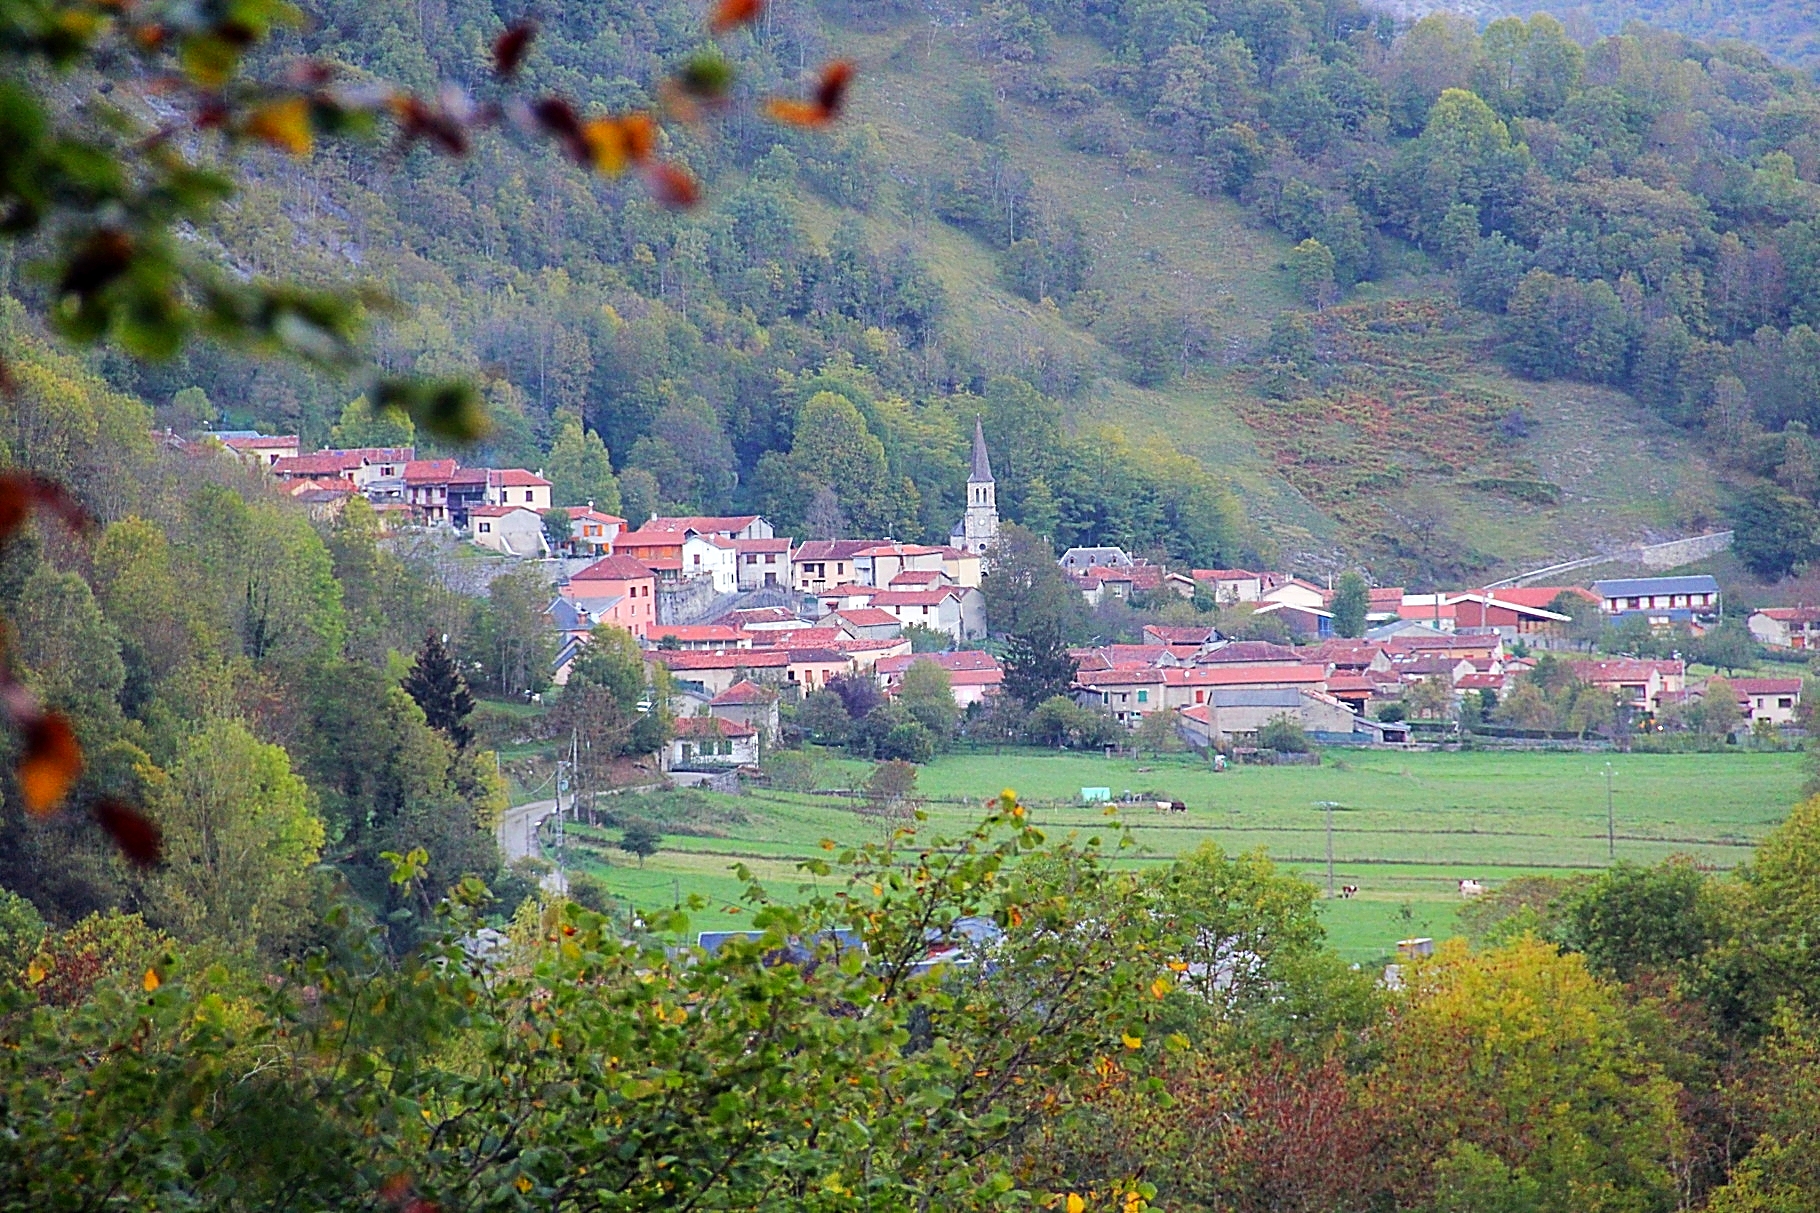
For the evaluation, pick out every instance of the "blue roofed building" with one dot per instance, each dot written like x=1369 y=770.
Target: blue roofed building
x=1698 y=595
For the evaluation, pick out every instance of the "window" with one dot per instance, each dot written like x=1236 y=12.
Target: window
x=527 y=494
x=1143 y=696
x=1785 y=702
x=485 y=527
x=1200 y=696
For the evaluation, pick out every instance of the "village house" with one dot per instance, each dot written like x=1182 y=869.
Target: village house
x=515 y=486
x=361 y=466
x=1487 y=611
x=1640 y=685
x=591 y=532
x=713 y=672
x=762 y=563
x=749 y=704
x=1195 y=636
x=1251 y=652
x=1309 y=622
x=1696 y=597
x=957 y=611
x=810 y=668
x=259 y=450
x=1079 y=560
x=712 y=741
x=683 y=555
x=867 y=623
x=972 y=675
x=820 y=564
x=735 y=527
x=697 y=637
x=962 y=567
x=512 y=530
x=882 y=563
x=1231 y=585
x=866 y=654
x=1796 y=627
x=426 y=487
x=763 y=619
x=1233 y=716
x=617 y=590
x=467 y=489
x=1771 y=699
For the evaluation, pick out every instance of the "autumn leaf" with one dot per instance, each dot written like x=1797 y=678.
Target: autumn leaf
x=830 y=95
x=614 y=142
x=35 y=973
x=524 y=1183
x=137 y=836
x=284 y=124
x=1132 y=1042
x=731 y=14
x=672 y=186
x=21 y=492
x=510 y=47
x=150 y=981
x=50 y=764
x=1075 y=1203
x=1160 y=987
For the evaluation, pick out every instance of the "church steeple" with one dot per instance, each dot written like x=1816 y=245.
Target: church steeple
x=978 y=527
x=982 y=465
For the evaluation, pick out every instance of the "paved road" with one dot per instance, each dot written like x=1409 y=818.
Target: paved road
x=518 y=828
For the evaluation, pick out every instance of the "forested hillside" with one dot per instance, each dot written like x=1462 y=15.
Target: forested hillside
x=1225 y=280
x=1788 y=29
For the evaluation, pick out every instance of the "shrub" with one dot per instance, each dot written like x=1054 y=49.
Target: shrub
x=1284 y=735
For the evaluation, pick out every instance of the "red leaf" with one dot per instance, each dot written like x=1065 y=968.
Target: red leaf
x=510 y=47
x=137 y=836
x=101 y=259
x=730 y=14
x=832 y=92
x=20 y=492
x=50 y=764
x=559 y=118
x=673 y=187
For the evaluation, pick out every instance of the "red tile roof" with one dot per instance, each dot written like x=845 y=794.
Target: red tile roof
x=867 y=617
x=430 y=471
x=1767 y=686
x=515 y=478
x=498 y=511
x=910 y=577
x=1794 y=614
x=1262 y=675
x=891 y=598
x=1249 y=650
x=322 y=463
x=704 y=523
x=712 y=726
x=695 y=633
x=744 y=693
x=613 y=568
x=720 y=659
x=783 y=638
x=264 y=442
x=761 y=545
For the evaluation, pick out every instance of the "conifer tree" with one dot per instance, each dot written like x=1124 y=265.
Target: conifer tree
x=441 y=691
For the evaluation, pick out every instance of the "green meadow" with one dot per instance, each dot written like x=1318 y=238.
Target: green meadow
x=1406 y=827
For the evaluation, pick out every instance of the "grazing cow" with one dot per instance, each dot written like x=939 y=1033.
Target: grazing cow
x=1471 y=888
x=1176 y=806
x=1347 y=890
x=1162 y=806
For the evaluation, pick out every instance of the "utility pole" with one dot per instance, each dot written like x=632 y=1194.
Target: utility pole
x=1611 y=821
x=1330 y=806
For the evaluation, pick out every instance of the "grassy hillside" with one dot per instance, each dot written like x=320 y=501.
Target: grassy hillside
x=1605 y=470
